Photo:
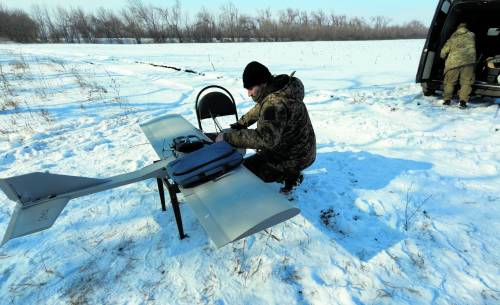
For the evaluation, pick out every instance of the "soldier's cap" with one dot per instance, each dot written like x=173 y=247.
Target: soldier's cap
x=254 y=74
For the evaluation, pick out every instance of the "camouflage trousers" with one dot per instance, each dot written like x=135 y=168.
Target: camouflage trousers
x=466 y=77
x=267 y=171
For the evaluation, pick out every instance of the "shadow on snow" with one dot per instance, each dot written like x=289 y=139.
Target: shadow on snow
x=329 y=194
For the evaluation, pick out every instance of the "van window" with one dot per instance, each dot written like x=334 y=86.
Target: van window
x=445 y=7
x=493 y=31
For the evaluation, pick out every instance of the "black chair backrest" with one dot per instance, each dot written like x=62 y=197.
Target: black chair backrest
x=215 y=104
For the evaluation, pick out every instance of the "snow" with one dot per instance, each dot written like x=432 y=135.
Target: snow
x=400 y=207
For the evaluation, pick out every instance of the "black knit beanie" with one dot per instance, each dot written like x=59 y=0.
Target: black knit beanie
x=254 y=74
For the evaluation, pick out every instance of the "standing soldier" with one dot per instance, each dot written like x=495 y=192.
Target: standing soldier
x=460 y=54
x=284 y=137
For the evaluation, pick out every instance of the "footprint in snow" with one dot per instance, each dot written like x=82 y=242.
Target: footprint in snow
x=68 y=153
x=8 y=158
x=92 y=145
x=48 y=166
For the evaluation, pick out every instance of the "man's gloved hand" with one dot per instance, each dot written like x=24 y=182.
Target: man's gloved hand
x=237 y=126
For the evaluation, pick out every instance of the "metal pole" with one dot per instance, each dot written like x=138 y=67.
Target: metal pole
x=175 y=206
x=162 y=194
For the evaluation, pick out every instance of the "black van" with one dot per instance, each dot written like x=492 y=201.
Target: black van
x=482 y=18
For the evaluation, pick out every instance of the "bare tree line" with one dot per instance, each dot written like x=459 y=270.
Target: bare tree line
x=138 y=22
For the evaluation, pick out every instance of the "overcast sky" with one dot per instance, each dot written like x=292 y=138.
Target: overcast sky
x=399 y=11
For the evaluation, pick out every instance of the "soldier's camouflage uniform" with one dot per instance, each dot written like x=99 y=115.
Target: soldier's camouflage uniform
x=284 y=137
x=460 y=54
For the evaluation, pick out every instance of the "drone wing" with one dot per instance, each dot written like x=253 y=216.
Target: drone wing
x=231 y=206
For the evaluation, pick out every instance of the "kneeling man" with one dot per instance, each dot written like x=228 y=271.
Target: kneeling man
x=284 y=138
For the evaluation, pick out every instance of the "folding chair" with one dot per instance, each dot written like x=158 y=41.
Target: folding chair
x=214 y=104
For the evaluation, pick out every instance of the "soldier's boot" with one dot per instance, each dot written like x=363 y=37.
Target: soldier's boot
x=463 y=104
x=447 y=103
x=291 y=183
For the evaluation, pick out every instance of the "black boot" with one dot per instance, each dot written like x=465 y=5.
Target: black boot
x=447 y=103
x=463 y=104
x=291 y=183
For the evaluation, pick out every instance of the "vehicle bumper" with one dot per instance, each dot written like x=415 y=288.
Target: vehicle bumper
x=478 y=88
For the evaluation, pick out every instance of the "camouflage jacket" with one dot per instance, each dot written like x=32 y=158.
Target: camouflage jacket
x=459 y=50
x=284 y=131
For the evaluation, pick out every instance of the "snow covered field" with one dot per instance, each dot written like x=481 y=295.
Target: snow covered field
x=400 y=207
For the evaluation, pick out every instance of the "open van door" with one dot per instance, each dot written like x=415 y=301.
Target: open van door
x=431 y=47
x=482 y=19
